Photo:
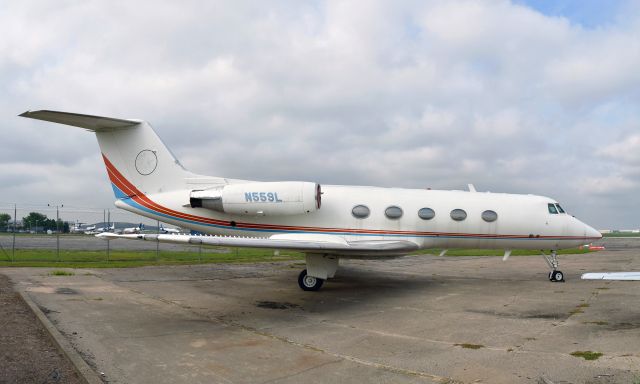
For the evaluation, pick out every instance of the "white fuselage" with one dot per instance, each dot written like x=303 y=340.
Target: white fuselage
x=325 y=222
x=523 y=221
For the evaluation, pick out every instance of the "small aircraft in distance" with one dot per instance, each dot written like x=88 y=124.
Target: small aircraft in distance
x=326 y=223
x=77 y=227
x=108 y=228
x=90 y=230
x=131 y=230
x=164 y=229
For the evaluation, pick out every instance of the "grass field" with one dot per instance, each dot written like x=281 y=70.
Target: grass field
x=621 y=234
x=120 y=259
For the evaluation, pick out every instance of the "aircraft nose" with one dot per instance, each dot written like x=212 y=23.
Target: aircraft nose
x=592 y=233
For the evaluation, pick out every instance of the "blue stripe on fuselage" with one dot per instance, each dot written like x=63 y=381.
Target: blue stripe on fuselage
x=126 y=199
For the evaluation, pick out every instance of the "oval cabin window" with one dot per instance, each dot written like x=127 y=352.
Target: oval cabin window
x=393 y=212
x=426 y=213
x=360 y=211
x=489 y=216
x=458 y=214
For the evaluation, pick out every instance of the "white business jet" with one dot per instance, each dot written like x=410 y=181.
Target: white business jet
x=90 y=230
x=326 y=223
x=108 y=228
x=77 y=227
x=131 y=230
x=173 y=231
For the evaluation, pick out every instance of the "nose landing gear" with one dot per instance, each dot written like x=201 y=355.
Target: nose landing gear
x=555 y=275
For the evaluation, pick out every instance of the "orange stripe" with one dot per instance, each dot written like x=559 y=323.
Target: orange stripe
x=138 y=196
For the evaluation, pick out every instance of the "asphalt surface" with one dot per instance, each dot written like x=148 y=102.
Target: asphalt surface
x=419 y=319
x=27 y=353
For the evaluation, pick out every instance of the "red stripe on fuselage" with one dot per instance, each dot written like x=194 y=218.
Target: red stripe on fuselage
x=139 y=197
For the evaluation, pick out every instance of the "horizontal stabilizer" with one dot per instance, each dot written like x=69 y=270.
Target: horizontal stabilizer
x=328 y=245
x=631 y=276
x=92 y=123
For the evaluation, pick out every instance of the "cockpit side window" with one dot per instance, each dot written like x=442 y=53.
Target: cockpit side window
x=559 y=208
x=552 y=209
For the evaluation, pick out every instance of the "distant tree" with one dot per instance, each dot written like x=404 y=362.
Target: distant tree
x=4 y=221
x=65 y=227
x=36 y=220
x=50 y=224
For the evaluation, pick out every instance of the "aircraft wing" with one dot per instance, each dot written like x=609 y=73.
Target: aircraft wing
x=631 y=276
x=298 y=242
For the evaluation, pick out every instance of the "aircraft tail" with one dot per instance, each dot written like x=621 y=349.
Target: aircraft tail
x=136 y=158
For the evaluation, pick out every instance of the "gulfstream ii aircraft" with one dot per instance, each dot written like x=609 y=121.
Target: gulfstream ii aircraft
x=326 y=223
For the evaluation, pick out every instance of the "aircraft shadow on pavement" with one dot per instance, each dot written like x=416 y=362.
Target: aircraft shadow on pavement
x=351 y=289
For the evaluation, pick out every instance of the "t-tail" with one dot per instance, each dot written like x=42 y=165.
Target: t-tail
x=137 y=160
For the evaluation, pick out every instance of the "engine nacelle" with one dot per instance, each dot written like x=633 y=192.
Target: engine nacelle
x=260 y=199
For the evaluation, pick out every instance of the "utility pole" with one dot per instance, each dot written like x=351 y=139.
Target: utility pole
x=157 y=242
x=58 y=230
x=57 y=233
x=108 y=241
x=13 y=245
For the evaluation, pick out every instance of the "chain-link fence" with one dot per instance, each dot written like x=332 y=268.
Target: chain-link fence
x=32 y=234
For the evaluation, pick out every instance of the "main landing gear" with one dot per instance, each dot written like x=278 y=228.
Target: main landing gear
x=320 y=267
x=555 y=275
x=309 y=283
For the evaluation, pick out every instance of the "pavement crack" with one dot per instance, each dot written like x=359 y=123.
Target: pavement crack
x=301 y=372
x=128 y=337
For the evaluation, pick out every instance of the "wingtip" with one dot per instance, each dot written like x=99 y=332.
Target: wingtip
x=107 y=236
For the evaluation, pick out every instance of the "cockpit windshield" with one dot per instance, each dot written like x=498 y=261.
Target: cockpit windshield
x=555 y=208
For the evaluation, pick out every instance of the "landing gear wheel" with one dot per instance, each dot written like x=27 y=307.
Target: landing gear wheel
x=556 y=276
x=309 y=283
x=552 y=261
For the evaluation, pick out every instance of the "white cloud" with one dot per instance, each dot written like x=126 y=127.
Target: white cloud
x=406 y=93
x=608 y=185
x=626 y=151
x=502 y=124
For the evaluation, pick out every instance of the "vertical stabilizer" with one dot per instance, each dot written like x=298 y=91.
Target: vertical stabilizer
x=131 y=151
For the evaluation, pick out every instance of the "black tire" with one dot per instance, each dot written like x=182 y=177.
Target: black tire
x=309 y=283
x=558 y=276
x=551 y=276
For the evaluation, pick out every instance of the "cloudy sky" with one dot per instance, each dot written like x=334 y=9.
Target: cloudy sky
x=513 y=96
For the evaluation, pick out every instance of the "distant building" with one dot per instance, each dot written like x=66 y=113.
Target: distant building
x=620 y=231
